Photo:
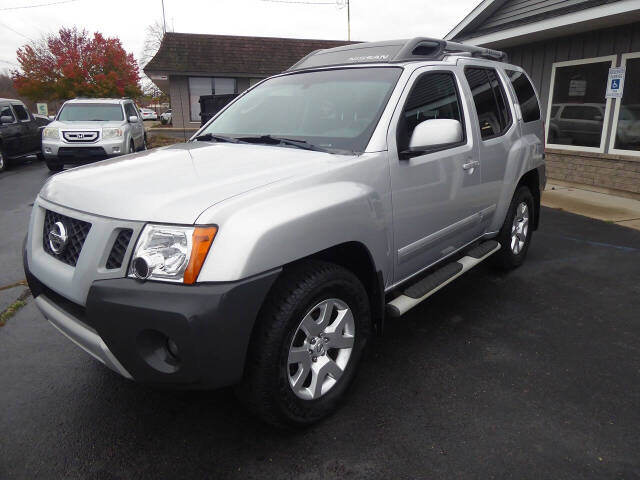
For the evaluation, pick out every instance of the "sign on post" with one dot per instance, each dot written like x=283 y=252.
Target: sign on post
x=42 y=109
x=615 y=82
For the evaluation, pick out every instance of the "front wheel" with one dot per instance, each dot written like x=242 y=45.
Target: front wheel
x=54 y=167
x=515 y=235
x=309 y=338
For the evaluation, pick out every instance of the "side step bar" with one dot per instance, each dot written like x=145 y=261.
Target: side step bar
x=427 y=286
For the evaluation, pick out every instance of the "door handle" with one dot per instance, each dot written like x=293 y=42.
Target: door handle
x=471 y=164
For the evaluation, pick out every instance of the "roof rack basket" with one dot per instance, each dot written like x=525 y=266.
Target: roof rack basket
x=395 y=51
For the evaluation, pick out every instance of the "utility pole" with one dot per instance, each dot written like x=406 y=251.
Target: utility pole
x=164 y=22
x=348 y=21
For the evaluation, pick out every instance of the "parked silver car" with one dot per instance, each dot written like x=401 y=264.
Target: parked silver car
x=87 y=130
x=266 y=251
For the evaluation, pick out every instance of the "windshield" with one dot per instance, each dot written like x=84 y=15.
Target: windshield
x=91 y=112
x=331 y=109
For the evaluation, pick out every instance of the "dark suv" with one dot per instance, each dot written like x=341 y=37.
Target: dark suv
x=19 y=132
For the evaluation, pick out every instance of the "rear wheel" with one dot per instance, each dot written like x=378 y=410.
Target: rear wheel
x=309 y=338
x=515 y=235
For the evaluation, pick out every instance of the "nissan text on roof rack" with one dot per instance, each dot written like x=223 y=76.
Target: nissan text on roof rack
x=267 y=250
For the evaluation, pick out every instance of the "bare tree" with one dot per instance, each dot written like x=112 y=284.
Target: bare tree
x=152 y=41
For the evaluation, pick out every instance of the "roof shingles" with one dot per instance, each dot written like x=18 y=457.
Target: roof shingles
x=228 y=54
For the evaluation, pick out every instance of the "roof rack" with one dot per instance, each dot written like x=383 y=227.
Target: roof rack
x=394 y=51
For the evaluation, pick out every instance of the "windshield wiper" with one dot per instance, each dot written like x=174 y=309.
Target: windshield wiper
x=208 y=137
x=274 y=140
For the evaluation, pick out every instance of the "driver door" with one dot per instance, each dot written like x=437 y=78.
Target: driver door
x=436 y=195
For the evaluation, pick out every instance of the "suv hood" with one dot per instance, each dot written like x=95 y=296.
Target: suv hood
x=176 y=184
x=85 y=125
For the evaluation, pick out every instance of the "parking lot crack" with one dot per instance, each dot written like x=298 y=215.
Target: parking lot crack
x=12 y=309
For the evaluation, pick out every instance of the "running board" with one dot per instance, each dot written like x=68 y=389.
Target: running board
x=427 y=286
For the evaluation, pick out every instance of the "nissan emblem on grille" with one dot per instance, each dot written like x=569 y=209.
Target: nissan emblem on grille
x=58 y=238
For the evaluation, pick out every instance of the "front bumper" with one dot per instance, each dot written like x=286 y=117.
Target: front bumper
x=127 y=324
x=77 y=153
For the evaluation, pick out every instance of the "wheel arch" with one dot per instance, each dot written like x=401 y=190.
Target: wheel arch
x=531 y=180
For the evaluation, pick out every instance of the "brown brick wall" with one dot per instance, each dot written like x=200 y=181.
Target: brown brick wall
x=614 y=172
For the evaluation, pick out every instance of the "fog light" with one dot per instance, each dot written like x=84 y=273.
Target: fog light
x=116 y=149
x=173 y=348
x=143 y=266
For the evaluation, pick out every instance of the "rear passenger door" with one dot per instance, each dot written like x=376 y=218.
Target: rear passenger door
x=497 y=130
x=30 y=133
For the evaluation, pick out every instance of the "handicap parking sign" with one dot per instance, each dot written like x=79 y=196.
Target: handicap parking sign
x=615 y=84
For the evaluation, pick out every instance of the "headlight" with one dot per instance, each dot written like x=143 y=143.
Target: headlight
x=171 y=253
x=111 y=132
x=50 y=132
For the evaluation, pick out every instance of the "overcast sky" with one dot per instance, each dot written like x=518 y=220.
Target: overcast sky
x=127 y=19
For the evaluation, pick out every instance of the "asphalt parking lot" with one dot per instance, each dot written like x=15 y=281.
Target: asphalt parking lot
x=530 y=374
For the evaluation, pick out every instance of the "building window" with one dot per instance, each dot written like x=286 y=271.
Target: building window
x=578 y=110
x=201 y=86
x=626 y=119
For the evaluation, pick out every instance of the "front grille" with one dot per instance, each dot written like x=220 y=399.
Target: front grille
x=81 y=152
x=116 y=257
x=76 y=230
x=81 y=136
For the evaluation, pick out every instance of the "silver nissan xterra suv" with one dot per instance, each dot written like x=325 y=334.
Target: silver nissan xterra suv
x=267 y=250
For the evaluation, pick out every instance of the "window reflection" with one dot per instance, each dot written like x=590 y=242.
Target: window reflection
x=628 y=131
x=578 y=106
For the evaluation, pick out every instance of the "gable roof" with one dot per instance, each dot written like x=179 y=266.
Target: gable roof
x=499 y=23
x=189 y=53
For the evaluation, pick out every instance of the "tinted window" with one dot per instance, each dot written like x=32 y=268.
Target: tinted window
x=488 y=96
x=5 y=111
x=334 y=109
x=434 y=95
x=526 y=96
x=21 y=113
x=582 y=113
x=88 y=112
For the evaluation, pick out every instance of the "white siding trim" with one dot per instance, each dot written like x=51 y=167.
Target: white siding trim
x=616 y=113
x=469 y=18
x=609 y=58
x=589 y=14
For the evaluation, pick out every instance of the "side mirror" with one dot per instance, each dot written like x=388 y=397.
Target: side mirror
x=6 y=119
x=434 y=134
x=133 y=119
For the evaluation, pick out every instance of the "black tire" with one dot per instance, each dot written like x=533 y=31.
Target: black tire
x=266 y=390
x=144 y=143
x=506 y=258
x=4 y=162
x=41 y=157
x=54 y=167
x=132 y=146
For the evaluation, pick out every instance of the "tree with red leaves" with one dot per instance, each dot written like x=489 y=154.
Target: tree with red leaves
x=75 y=64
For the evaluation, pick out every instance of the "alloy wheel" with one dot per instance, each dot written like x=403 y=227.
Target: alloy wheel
x=520 y=228
x=320 y=349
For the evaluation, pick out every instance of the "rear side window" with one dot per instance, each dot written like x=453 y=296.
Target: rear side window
x=434 y=95
x=494 y=116
x=21 y=113
x=526 y=96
